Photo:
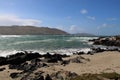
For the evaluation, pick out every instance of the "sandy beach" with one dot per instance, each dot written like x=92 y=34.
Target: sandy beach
x=108 y=61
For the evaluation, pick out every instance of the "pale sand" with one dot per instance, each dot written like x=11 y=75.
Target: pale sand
x=99 y=62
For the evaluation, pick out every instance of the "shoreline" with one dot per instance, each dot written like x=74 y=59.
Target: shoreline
x=68 y=51
x=64 y=64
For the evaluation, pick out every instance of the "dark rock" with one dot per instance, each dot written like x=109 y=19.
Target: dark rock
x=35 y=61
x=19 y=58
x=89 y=52
x=98 y=50
x=80 y=53
x=65 y=62
x=14 y=66
x=64 y=56
x=25 y=67
x=63 y=75
x=42 y=65
x=53 y=58
x=39 y=78
x=47 y=55
x=2 y=69
x=39 y=73
x=48 y=77
x=14 y=75
x=2 y=61
x=58 y=57
x=107 y=41
x=16 y=60
x=16 y=55
x=71 y=75
x=76 y=60
x=31 y=56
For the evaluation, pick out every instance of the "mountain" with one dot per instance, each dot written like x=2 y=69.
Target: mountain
x=84 y=34
x=30 y=30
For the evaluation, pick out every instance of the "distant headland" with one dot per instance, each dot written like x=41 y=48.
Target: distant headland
x=30 y=30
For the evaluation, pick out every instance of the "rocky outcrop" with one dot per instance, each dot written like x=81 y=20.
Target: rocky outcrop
x=107 y=41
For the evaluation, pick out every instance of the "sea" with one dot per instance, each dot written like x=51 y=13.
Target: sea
x=62 y=44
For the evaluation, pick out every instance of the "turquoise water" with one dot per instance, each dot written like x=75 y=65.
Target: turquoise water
x=42 y=42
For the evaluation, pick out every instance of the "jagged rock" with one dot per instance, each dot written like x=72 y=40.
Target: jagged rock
x=14 y=75
x=108 y=41
x=19 y=58
x=53 y=58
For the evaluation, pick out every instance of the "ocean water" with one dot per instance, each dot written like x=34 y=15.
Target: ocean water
x=10 y=44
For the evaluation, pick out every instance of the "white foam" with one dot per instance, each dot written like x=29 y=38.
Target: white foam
x=86 y=50
x=5 y=53
x=8 y=36
x=58 y=51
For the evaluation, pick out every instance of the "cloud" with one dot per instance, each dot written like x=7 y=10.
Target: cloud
x=105 y=25
x=7 y=20
x=91 y=17
x=112 y=19
x=83 y=11
x=72 y=28
x=75 y=29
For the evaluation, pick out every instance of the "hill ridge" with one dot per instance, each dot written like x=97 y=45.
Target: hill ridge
x=30 y=30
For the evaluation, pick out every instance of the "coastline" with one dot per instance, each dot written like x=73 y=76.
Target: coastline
x=67 y=64
x=107 y=62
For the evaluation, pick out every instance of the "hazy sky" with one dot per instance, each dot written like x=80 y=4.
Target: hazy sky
x=90 y=16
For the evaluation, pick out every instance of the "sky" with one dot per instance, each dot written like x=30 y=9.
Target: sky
x=99 y=17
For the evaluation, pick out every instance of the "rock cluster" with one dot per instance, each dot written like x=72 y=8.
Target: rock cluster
x=98 y=50
x=28 y=62
x=107 y=41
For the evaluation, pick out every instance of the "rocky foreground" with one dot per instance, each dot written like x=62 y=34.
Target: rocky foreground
x=28 y=64
x=34 y=66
